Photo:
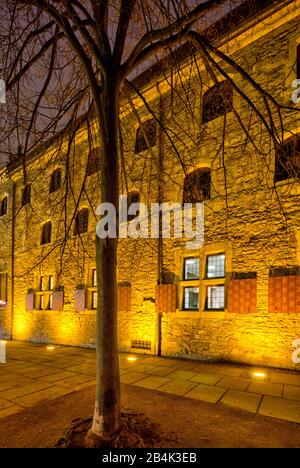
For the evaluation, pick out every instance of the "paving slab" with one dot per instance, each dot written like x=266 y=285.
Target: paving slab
x=177 y=387
x=280 y=408
x=38 y=397
x=291 y=392
x=74 y=380
x=182 y=374
x=23 y=390
x=235 y=383
x=233 y=371
x=58 y=375
x=266 y=388
x=5 y=403
x=207 y=393
x=285 y=378
x=10 y=410
x=161 y=370
x=144 y=367
x=132 y=377
x=153 y=382
x=208 y=379
x=242 y=400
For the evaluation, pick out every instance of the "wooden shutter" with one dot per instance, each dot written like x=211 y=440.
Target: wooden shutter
x=242 y=296
x=284 y=294
x=124 y=298
x=165 y=298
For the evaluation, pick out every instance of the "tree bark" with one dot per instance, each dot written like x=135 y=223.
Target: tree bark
x=107 y=412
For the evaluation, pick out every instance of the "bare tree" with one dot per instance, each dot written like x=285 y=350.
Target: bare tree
x=91 y=50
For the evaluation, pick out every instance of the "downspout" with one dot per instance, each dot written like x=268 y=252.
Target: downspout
x=160 y=200
x=12 y=258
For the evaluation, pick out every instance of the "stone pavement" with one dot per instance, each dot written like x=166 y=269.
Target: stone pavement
x=36 y=372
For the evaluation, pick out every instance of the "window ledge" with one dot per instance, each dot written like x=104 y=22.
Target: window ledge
x=200 y=314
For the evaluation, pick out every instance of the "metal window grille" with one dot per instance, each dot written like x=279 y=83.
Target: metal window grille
x=191 y=268
x=215 y=266
x=141 y=344
x=191 y=298
x=215 y=297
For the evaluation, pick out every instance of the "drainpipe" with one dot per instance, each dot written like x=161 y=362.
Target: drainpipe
x=160 y=200
x=12 y=283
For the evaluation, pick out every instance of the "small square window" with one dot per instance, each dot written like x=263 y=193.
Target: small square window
x=191 y=268
x=94 y=299
x=215 y=266
x=215 y=298
x=94 y=278
x=191 y=299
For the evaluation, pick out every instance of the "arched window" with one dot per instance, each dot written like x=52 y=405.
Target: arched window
x=217 y=101
x=3 y=206
x=132 y=197
x=93 y=164
x=287 y=160
x=81 y=221
x=55 y=182
x=145 y=136
x=197 y=186
x=26 y=195
x=46 y=233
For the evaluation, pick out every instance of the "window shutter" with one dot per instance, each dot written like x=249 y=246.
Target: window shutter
x=242 y=296
x=166 y=298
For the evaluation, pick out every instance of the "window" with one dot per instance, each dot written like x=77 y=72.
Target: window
x=216 y=297
x=44 y=292
x=217 y=101
x=46 y=233
x=197 y=186
x=3 y=206
x=132 y=197
x=3 y=289
x=202 y=287
x=145 y=136
x=81 y=222
x=26 y=195
x=92 y=294
x=191 y=268
x=93 y=164
x=215 y=266
x=191 y=299
x=55 y=182
x=94 y=299
x=94 y=277
x=287 y=160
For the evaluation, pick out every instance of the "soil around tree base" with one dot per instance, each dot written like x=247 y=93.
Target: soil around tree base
x=135 y=431
x=179 y=422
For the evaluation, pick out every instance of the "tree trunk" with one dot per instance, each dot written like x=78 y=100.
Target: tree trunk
x=107 y=406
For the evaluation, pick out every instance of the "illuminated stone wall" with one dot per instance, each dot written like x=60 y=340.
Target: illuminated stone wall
x=245 y=215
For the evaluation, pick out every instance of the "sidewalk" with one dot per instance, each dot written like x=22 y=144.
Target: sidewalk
x=34 y=373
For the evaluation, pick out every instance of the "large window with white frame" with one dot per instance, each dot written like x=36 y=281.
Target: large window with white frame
x=203 y=282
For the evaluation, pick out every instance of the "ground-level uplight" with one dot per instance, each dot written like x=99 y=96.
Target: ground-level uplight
x=50 y=347
x=259 y=375
x=132 y=358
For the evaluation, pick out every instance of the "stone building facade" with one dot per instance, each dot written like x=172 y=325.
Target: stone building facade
x=237 y=297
